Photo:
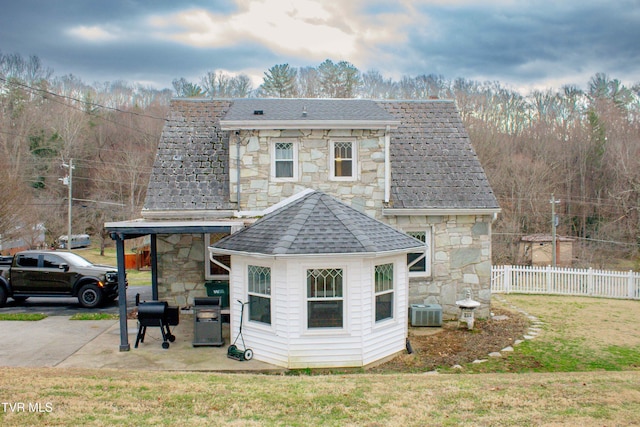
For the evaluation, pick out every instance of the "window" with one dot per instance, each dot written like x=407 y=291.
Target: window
x=25 y=260
x=419 y=263
x=52 y=261
x=284 y=160
x=325 y=298
x=259 y=286
x=215 y=270
x=343 y=160
x=384 y=291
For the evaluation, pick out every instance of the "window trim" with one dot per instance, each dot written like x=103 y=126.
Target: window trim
x=343 y=299
x=355 y=166
x=272 y=149
x=268 y=296
x=428 y=252
x=392 y=291
x=207 y=262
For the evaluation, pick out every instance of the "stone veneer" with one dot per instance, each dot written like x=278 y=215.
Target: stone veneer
x=181 y=268
x=259 y=190
x=461 y=260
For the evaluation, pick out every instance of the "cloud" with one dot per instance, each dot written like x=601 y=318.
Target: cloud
x=92 y=34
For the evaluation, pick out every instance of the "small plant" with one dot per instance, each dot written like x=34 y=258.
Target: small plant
x=22 y=316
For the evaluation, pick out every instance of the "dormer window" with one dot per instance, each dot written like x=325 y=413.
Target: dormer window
x=343 y=160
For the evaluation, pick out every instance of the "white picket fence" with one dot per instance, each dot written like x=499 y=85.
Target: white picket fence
x=565 y=281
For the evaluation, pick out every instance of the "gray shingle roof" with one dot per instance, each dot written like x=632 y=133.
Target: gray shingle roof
x=433 y=164
x=317 y=224
x=191 y=169
x=316 y=109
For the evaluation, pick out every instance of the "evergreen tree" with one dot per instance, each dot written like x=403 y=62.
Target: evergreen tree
x=279 y=82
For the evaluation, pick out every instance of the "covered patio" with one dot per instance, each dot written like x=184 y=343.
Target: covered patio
x=125 y=230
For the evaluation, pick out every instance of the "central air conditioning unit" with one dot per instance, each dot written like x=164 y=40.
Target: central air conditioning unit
x=426 y=315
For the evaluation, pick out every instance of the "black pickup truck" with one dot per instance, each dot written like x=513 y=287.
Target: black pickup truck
x=56 y=274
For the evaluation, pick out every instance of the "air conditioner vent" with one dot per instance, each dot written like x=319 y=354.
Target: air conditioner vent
x=426 y=315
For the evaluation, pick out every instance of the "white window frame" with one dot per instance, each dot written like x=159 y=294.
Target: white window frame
x=272 y=149
x=342 y=299
x=428 y=252
x=267 y=295
x=391 y=291
x=355 y=167
x=207 y=261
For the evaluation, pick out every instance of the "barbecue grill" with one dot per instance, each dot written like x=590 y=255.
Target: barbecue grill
x=157 y=313
x=207 y=322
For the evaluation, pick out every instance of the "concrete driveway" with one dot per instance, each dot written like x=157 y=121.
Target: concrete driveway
x=70 y=306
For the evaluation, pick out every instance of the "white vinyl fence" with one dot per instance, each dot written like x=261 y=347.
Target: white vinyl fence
x=565 y=281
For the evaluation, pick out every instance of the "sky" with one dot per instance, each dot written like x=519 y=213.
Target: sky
x=523 y=44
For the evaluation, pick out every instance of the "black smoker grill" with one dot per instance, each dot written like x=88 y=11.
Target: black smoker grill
x=207 y=322
x=157 y=313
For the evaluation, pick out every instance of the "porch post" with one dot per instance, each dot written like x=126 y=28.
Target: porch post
x=122 y=292
x=154 y=267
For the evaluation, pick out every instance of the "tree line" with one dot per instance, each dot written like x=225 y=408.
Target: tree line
x=581 y=145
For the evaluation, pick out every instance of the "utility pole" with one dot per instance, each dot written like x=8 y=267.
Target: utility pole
x=69 y=182
x=554 y=224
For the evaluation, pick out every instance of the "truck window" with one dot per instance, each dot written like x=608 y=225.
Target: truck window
x=52 y=261
x=27 y=260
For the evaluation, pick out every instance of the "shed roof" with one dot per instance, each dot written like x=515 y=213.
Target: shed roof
x=317 y=224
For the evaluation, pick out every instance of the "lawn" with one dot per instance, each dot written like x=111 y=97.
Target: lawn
x=598 y=338
x=135 y=277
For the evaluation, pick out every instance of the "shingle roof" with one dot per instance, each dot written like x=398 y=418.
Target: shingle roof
x=317 y=224
x=191 y=169
x=433 y=164
x=316 y=110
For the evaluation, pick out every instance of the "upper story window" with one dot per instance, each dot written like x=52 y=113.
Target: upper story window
x=344 y=160
x=419 y=262
x=284 y=160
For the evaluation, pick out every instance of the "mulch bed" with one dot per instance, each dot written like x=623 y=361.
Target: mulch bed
x=454 y=345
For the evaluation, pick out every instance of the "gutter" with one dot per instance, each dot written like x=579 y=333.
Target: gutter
x=440 y=211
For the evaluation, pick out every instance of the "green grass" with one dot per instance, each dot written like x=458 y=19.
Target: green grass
x=94 y=316
x=135 y=277
x=22 y=316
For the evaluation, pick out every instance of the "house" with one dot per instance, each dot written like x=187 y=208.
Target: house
x=222 y=164
x=537 y=249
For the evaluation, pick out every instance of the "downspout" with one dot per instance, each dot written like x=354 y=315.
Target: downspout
x=387 y=164
x=238 y=168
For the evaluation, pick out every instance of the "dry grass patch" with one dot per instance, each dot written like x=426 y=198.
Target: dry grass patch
x=83 y=397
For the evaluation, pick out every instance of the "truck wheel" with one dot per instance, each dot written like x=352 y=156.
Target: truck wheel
x=3 y=296
x=90 y=296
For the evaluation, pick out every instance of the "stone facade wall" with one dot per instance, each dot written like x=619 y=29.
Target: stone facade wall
x=258 y=189
x=461 y=260
x=181 y=268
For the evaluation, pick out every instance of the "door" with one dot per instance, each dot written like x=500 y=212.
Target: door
x=25 y=275
x=58 y=279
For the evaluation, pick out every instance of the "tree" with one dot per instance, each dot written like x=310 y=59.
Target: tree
x=186 y=89
x=280 y=82
x=339 y=80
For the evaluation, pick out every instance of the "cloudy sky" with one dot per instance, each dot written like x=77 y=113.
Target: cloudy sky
x=521 y=43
